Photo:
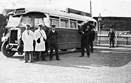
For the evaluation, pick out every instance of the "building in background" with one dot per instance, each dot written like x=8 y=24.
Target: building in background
x=119 y=23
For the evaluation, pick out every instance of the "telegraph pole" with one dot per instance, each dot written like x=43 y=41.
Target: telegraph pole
x=90 y=8
x=99 y=21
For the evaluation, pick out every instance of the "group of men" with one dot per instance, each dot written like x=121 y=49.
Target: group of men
x=87 y=37
x=37 y=42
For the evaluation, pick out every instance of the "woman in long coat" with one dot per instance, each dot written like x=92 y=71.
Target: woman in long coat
x=40 y=37
x=27 y=38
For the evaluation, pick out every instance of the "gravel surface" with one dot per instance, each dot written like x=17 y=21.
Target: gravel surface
x=101 y=67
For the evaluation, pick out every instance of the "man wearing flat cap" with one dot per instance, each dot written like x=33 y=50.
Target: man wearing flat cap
x=27 y=38
x=40 y=38
x=53 y=42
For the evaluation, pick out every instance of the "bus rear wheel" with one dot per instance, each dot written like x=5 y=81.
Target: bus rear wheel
x=5 y=51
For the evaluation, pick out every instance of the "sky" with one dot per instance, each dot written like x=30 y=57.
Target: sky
x=117 y=8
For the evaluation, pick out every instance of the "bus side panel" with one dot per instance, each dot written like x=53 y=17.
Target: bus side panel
x=68 y=38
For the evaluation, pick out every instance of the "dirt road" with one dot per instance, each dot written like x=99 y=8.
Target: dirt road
x=101 y=67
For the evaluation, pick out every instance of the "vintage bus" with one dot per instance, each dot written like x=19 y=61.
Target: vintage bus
x=67 y=25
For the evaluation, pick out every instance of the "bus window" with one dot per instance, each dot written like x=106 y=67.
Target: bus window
x=64 y=23
x=54 y=21
x=25 y=20
x=13 y=21
x=38 y=21
x=72 y=24
x=47 y=20
x=79 y=23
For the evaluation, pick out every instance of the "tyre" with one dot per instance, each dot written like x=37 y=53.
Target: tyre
x=5 y=51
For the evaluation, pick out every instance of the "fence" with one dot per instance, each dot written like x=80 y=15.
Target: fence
x=120 y=40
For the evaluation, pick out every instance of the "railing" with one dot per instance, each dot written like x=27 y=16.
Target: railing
x=120 y=40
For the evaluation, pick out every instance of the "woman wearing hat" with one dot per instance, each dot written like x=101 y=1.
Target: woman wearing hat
x=40 y=37
x=27 y=38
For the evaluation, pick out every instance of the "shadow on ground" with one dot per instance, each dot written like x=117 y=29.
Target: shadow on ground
x=20 y=57
x=97 y=59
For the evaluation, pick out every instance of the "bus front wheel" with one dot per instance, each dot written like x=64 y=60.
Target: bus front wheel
x=5 y=51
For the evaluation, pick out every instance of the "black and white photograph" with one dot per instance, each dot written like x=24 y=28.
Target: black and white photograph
x=65 y=41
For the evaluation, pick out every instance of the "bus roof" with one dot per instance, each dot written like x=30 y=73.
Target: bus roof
x=58 y=13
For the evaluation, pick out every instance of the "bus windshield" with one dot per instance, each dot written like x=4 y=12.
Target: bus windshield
x=24 y=20
x=13 y=21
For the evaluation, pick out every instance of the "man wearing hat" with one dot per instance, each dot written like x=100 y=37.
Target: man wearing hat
x=92 y=36
x=53 y=42
x=27 y=38
x=40 y=38
x=111 y=36
x=85 y=41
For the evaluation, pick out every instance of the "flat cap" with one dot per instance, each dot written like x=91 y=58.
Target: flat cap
x=53 y=26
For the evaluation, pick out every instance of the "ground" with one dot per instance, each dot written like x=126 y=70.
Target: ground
x=101 y=67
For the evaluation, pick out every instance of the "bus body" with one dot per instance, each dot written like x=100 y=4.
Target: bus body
x=66 y=26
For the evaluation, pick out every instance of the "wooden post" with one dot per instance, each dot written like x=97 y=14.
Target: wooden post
x=116 y=39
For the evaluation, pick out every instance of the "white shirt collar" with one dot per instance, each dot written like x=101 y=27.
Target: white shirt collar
x=53 y=31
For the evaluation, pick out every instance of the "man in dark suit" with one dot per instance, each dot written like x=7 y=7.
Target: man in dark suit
x=46 y=29
x=85 y=33
x=53 y=43
x=111 y=36
x=92 y=37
